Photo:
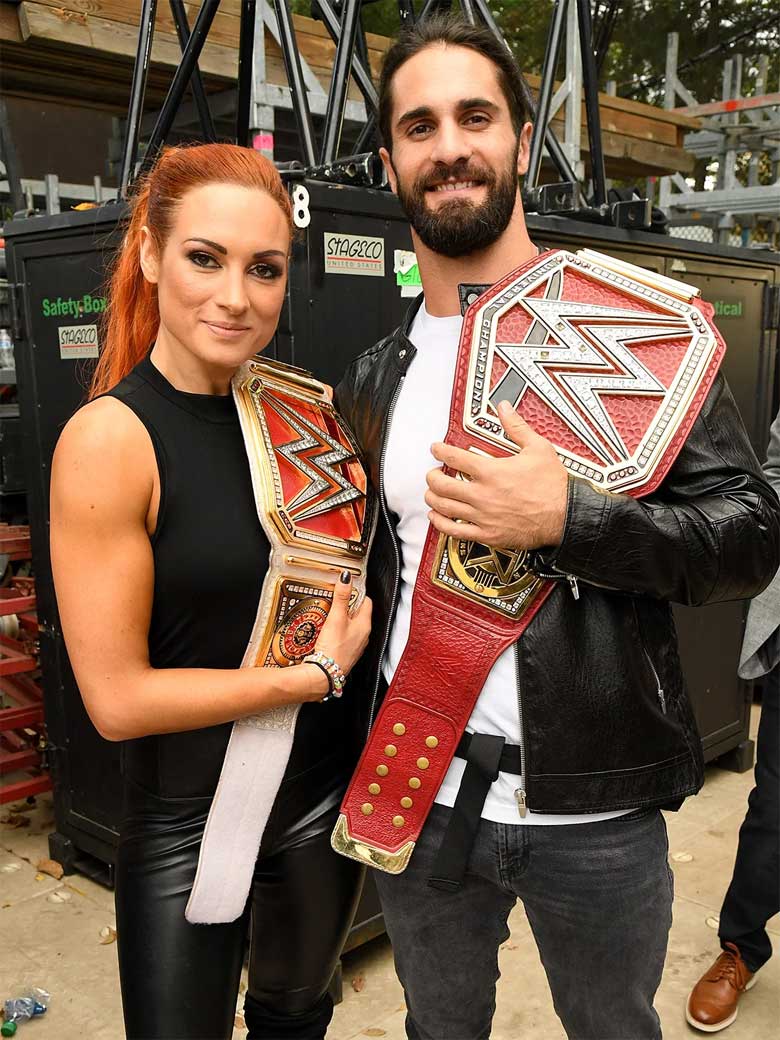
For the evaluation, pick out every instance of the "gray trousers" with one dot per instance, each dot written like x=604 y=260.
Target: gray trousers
x=598 y=897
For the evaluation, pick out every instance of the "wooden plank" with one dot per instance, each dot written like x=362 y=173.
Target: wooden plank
x=645 y=128
x=224 y=28
x=313 y=38
x=105 y=92
x=314 y=27
x=717 y=108
x=9 y=24
x=45 y=22
x=638 y=108
x=634 y=157
x=649 y=157
x=40 y=22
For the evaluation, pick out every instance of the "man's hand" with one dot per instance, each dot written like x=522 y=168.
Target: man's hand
x=517 y=502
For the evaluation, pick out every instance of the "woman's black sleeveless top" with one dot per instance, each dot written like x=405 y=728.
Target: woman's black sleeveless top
x=210 y=558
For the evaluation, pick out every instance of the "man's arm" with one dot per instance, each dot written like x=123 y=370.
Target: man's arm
x=772 y=464
x=711 y=531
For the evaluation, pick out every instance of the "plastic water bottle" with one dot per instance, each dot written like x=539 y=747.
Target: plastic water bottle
x=7 y=359
x=22 y=1009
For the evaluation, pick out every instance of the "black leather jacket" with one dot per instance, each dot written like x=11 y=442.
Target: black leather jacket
x=605 y=720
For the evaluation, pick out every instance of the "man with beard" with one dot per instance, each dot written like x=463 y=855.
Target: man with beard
x=590 y=863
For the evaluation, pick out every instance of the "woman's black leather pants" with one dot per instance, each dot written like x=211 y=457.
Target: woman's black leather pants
x=180 y=981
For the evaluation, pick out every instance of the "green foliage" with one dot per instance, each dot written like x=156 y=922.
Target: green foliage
x=636 y=57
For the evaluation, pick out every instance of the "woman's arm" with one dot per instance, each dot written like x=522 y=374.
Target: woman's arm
x=102 y=497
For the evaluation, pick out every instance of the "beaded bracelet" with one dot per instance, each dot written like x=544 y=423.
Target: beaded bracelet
x=335 y=675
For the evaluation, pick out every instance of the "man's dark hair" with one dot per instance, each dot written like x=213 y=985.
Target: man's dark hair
x=455 y=32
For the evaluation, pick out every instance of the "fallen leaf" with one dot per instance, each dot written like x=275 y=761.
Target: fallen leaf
x=40 y=877
x=107 y=935
x=712 y=922
x=13 y=820
x=358 y=983
x=59 y=895
x=374 y=1031
x=51 y=867
x=22 y=807
x=682 y=857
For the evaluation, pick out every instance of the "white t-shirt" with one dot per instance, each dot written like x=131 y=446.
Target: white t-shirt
x=421 y=417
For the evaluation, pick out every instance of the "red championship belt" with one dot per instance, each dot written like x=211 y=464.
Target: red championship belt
x=609 y=362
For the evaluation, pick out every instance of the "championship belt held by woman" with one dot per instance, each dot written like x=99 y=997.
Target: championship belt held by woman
x=609 y=362
x=313 y=502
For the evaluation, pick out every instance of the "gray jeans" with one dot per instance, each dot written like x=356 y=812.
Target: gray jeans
x=598 y=897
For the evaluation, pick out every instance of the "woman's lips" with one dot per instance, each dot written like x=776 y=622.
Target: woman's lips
x=225 y=331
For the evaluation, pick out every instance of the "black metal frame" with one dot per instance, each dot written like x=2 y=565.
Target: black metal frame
x=196 y=83
x=351 y=60
x=137 y=91
x=246 y=45
x=187 y=75
x=181 y=80
x=298 y=93
x=339 y=85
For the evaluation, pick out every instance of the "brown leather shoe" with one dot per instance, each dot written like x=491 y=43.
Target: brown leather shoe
x=713 y=1002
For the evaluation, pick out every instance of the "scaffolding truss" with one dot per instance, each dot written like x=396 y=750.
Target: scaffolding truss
x=732 y=126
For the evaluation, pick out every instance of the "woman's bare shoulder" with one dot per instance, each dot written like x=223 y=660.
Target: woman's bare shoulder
x=105 y=441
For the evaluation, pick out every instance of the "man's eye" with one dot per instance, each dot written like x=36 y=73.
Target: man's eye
x=477 y=118
x=419 y=129
x=201 y=259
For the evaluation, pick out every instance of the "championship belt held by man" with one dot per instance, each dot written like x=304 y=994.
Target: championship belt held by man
x=314 y=505
x=609 y=362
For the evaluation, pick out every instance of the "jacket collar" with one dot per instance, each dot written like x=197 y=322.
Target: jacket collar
x=404 y=349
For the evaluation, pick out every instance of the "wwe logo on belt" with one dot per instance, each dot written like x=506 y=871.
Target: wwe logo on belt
x=573 y=352
x=320 y=468
x=602 y=358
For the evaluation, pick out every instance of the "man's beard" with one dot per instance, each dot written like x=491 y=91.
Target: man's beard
x=459 y=227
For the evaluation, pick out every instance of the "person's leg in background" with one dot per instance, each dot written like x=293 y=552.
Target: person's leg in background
x=754 y=893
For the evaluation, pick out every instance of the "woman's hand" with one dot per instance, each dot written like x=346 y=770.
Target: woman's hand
x=344 y=636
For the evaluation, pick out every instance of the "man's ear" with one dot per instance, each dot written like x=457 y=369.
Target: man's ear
x=387 y=162
x=524 y=148
x=150 y=261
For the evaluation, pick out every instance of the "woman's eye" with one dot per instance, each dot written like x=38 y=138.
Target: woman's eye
x=203 y=259
x=266 y=271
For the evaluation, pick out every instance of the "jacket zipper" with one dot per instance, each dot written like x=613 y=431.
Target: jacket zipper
x=383 y=505
x=659 y=689
x=520 y=795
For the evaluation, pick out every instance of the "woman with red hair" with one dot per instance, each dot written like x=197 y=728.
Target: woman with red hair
x=159 y=558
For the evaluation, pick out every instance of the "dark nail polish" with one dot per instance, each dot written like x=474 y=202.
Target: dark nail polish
x=346 y=577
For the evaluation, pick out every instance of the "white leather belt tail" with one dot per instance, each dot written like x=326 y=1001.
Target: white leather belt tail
x=314 y=505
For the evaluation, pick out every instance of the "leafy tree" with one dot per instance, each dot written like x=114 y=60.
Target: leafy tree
x=710 y=31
